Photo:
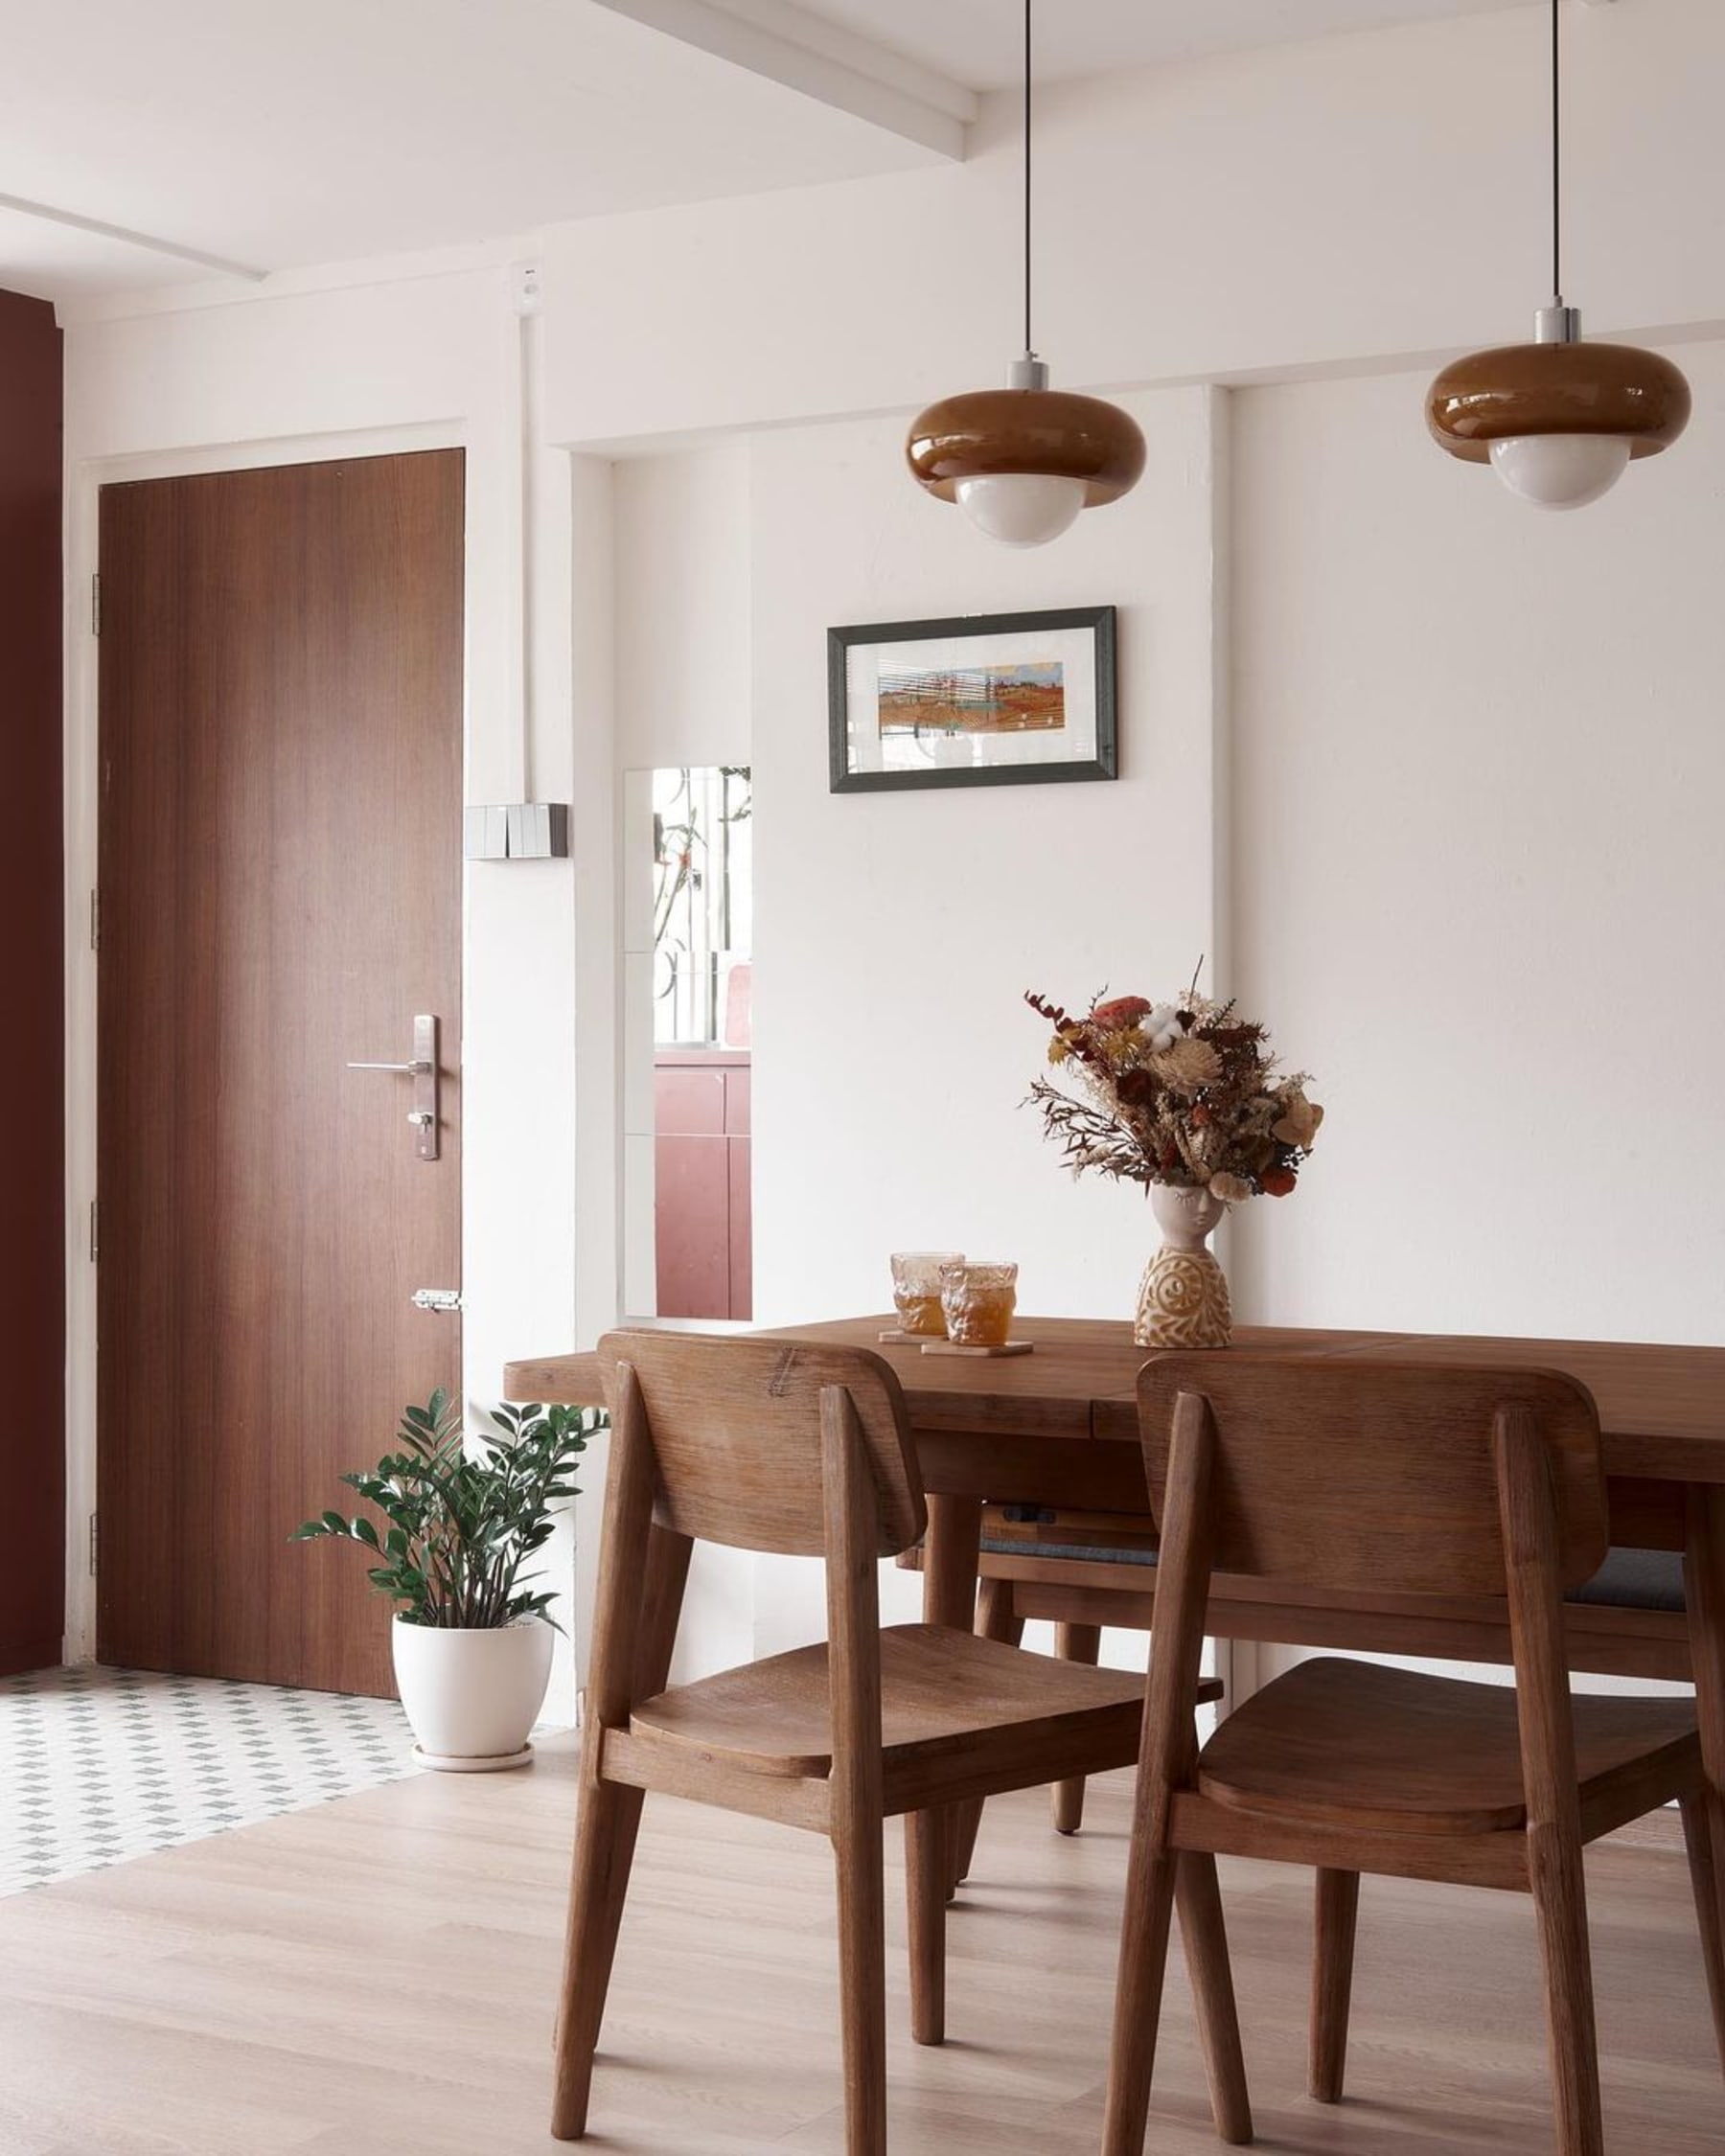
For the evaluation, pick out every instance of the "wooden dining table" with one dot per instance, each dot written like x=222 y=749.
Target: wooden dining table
x=1058 y=1428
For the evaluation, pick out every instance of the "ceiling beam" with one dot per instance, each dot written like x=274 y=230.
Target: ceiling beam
x=816 y=58
x=75 y=223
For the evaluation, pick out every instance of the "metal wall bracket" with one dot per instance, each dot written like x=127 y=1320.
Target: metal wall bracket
x=516 y=831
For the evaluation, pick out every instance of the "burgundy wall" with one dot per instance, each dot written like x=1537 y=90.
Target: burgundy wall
x=32 y=1054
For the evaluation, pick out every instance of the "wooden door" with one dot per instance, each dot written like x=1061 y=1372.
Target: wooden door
x=33 y=1199
x=281 y=719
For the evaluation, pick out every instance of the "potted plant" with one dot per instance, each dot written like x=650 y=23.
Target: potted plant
x=472 y=1639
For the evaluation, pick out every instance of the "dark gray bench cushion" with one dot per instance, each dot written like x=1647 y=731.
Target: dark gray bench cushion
x=1637 y=1579
x=1002 y=1545
x=1629 y=1579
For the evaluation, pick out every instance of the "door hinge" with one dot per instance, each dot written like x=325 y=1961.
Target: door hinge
x=96 y=603
x=95 y=1229
x=94 y=1543
x=95 y=919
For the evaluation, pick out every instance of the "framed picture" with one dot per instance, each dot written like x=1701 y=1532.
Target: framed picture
x=985 y=699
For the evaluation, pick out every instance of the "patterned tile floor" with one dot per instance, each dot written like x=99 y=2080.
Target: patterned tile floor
x=99 y=1765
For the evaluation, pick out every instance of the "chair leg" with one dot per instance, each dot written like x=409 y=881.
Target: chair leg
x=1202 y=1928
x=1338 y=1901
x=996 y=1619
x=964 y=1823
x=1560 y=1903
x=605 y=1839
x=1073 y=1642
x=927 y=1877
x=1704 y=1831
x=863 y=1985
x=1150 y=1883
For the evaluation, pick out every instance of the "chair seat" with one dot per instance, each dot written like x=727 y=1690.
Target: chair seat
x=1353 y=1745
x=941 y=1691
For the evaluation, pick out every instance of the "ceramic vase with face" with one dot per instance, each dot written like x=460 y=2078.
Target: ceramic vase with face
x=1183 y=1298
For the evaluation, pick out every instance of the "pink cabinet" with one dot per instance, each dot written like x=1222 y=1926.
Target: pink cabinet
x=701 y=1208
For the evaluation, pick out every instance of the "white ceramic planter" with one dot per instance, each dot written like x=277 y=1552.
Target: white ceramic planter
x=471 y=1696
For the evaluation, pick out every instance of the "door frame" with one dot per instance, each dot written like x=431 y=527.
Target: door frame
x=83 y=488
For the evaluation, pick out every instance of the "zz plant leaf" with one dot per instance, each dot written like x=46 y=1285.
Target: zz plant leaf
x=459 y=1522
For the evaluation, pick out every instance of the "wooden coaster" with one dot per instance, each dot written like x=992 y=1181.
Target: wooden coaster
x=894 y=1337
x=951 y=1347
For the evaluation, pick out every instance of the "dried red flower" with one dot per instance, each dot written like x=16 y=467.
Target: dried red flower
x=1123 y=1011
x=1276 y=1182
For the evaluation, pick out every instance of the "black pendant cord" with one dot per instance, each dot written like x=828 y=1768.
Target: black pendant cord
x=1557 y=156
x=1029 y=346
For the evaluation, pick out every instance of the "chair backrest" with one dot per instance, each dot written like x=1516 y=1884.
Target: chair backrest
x=735 y=1431
x=1339 y=1471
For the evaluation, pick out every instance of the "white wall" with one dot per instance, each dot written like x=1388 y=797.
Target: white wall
x=681 y=541
x=1478 y=763
x=897 y=932
x=1478 y=759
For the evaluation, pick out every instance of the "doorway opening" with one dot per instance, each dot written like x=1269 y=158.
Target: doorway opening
x=701 y=980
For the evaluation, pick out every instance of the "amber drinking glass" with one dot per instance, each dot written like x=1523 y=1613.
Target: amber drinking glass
x=916 y=1276
x=978 y=1301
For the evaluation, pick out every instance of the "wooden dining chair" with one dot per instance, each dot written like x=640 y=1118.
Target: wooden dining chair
x=1079 y=1571
x=769 y=1446
x=1409 y=1480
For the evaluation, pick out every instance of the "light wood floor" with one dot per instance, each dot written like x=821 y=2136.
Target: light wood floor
x=374 y=1977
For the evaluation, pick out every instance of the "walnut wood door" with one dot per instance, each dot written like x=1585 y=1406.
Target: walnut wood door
x=281 y=720
x=33 y=1218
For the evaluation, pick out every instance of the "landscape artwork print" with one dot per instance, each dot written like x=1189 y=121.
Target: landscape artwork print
x=979 y=700
x=1025 y=697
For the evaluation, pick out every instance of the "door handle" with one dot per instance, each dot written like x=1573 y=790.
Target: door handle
x=423 y=1117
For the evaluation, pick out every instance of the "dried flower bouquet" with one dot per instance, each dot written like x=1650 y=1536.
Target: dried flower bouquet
x=1184 y=1094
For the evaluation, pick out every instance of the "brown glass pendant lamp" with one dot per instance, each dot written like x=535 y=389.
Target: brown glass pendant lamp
x=1023 y=461
x=1558 y=419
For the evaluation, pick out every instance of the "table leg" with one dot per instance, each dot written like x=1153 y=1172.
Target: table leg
x=1704 y=1591
x=951 y=1555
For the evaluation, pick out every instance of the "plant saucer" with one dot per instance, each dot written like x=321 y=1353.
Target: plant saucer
x=453 y=1764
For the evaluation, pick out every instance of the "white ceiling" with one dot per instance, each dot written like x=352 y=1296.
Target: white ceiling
x=281 y=136
x=326 y=130
x=980 y=42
